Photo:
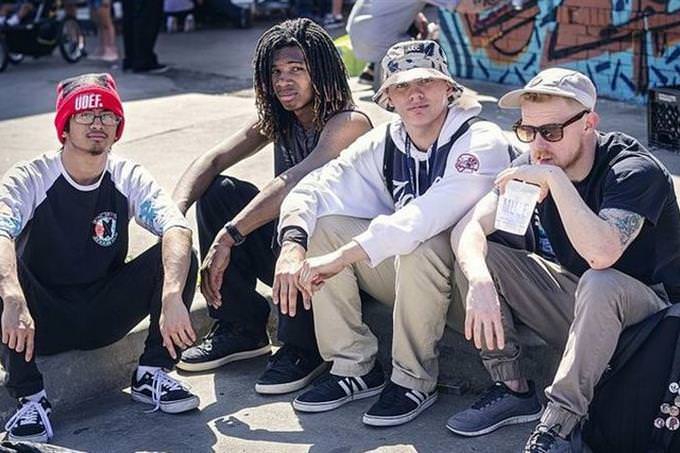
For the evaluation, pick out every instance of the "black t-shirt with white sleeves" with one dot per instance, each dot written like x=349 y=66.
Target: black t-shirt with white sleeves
x=625 y=176
x=69 y=235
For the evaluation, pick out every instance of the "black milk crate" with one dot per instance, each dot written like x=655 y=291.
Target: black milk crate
x=663 y=117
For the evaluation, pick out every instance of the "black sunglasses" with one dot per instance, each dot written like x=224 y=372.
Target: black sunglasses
x=550 y=132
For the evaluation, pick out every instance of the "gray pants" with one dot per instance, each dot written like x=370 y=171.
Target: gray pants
x=375 y=25
x=585 y=316
x=419 y=287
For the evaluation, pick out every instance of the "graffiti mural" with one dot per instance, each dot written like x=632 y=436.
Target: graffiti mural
x=625 y=46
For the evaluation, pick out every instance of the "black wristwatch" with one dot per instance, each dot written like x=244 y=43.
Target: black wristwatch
x=234 y=233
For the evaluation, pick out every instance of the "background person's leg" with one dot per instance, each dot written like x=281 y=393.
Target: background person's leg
x=129 y=39
x=375 y=25
x=148 y=19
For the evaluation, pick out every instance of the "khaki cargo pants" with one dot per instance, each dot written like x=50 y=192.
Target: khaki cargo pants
x=419 y=287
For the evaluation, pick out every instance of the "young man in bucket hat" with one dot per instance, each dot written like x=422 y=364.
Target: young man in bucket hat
x=377 y=219
x=64 y=282
x=607 y=256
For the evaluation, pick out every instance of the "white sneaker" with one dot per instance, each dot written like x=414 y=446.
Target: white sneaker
x=189 y=23
x=171 y=24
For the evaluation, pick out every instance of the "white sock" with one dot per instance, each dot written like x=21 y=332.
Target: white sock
x=36 y=396
x=143 y=369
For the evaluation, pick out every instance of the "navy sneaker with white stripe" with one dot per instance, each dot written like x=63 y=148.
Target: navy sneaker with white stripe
x=333 y=391
x=398 y=405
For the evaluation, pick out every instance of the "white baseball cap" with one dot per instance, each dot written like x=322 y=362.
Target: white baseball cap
x=557 y=82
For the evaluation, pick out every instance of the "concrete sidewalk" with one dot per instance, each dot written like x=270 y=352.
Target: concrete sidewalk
x=170 y=120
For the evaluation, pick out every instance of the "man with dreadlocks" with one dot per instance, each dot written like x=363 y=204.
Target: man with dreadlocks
x=305 y=107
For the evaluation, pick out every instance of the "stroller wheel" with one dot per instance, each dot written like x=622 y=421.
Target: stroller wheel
x=15 y=58
x=4 y=55
x=71 y=40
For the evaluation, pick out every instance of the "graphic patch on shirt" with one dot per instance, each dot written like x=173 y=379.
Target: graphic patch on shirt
x=467 y=163
x=10 y=222
x=104 y=228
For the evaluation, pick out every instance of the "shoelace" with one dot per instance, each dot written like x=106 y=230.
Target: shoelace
x=541 y=440
x=490 y=395
x=29 y=413
x=285 y=352
x=161 y=381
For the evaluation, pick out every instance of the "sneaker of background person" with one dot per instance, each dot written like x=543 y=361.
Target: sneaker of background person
x=331 y=22
x=223 y=344
x=31 y=422
x=153 y=69
x=333 y=391
x=289 y=370
x=367 y=76
x=497 y=406
x=189 y=23
x=398 y=405
x=162 y=391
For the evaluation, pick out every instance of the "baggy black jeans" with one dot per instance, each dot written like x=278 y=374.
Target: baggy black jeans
x=94 y=317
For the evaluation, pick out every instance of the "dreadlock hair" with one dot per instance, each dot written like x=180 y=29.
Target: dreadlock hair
x=326 y=70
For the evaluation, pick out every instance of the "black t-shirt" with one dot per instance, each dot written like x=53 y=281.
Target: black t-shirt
x=625 y=176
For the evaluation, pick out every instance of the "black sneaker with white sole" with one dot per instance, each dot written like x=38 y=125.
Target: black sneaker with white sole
x=31 y=422
x=333 y=391
x=223 y=344
x=398 y=405
x=289 y=370
x=163 y=392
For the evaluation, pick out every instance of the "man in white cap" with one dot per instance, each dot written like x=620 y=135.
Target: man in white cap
x=606 y=255
x=378 y=218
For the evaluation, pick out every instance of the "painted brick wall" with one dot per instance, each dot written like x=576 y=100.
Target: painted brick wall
x=625 y=46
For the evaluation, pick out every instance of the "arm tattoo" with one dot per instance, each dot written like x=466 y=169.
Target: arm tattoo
x=628 y=224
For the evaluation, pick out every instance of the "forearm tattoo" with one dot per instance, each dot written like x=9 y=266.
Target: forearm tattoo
x=627 y=223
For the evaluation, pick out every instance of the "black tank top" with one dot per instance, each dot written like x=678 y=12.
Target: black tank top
x=299 y=144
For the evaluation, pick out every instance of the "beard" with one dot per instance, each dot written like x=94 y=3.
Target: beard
x=96 y=150
x=566 y=163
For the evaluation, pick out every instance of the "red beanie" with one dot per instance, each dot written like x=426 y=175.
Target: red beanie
x=87 y=92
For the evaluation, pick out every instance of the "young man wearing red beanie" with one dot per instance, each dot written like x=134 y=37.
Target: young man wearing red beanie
x=64 y=283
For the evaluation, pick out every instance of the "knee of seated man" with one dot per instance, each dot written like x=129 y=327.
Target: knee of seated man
x=328 y=235
x=225 y=189
x=432 y=251
x=605 y=285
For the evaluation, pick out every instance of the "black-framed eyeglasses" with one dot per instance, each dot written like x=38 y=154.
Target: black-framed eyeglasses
x=87 y=118
x=550 y=132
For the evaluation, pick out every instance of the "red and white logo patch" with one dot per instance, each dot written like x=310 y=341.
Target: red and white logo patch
x=467 y=163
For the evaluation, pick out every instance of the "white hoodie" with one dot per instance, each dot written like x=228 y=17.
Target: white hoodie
x=353 y=185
